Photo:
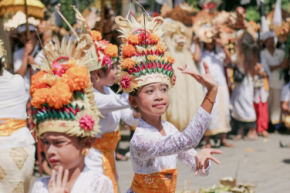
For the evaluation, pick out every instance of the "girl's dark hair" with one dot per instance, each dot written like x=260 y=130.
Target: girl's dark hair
x=1 y=66
x=247 y=53
x=134 y=94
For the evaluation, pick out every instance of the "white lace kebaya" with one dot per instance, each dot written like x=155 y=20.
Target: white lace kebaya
x=151 y=152
x=88 y=182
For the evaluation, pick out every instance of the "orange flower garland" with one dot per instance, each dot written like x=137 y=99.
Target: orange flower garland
x=133 y=39
x=59 y=95
x=96 y=35
x=154 y=38
x=159 y=48
x=170 y=59
x=128 y=50
x=77 y=78
x=128 y=63
x=111 y=50
x=36 y=82
x=40 y=97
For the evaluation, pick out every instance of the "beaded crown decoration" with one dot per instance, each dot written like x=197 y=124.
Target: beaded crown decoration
x=105 y=53
x=143 y=57
x=62 y=94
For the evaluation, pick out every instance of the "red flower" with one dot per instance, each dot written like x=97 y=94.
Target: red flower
x=141 y=36
x=125 y=82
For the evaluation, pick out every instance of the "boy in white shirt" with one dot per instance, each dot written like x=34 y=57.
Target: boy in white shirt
x=276 y=61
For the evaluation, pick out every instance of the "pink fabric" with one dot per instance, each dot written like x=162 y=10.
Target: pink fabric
x=262 y=116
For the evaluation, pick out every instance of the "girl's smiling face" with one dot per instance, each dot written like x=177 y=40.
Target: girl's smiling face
x=64 y=150
x=152 y=99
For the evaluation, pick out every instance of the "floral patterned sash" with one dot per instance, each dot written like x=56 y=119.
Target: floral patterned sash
x=107 y=145
x=160 y=182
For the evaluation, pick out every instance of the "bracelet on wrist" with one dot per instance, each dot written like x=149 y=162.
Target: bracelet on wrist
x=210 y=100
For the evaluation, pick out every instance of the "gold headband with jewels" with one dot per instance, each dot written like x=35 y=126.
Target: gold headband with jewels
x=143 y=58
x=62 y=93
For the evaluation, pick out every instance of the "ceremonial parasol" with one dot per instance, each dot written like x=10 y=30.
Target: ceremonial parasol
x=29 y=7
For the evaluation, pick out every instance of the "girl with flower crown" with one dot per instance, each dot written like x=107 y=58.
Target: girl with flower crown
x=66 y=120
x=112 y=106
x=147 y=74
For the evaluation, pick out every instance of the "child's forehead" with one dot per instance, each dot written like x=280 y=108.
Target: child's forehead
x=155 y=84
x=54 y=135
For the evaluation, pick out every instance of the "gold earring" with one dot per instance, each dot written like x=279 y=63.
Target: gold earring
x=85 y=151
x=98 y=79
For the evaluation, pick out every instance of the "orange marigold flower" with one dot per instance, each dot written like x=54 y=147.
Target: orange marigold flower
x=159 y=48
x=128 y=50
x=170 y=59
x=96 y=35
x=36 y=82
x=59 y=95
x=133 y=39
x=111 y=50
x=154 y=38
x=40 y=97
x=128 y=63
x=77 y=78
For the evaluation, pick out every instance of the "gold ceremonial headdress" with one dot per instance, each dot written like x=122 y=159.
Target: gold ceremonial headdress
x=62 y=94
x=143 y=57
x=105 y=52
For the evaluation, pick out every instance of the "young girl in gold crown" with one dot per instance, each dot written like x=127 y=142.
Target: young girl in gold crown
x=66 y=119
x=147 y=74
x=112 y=106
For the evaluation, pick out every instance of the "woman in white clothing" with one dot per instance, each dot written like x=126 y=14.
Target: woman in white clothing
x=243 y=112
x=16 y=142
x=215 y=55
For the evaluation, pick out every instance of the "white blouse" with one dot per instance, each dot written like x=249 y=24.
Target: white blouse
x=113 y=107
x=215 y=62
x=13 y=99
x=87 y=182
x=151 y=152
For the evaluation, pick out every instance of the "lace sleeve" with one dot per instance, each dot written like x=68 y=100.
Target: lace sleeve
x=101 y=184
x=149 y=146
x=40 y=186
x=188 y=157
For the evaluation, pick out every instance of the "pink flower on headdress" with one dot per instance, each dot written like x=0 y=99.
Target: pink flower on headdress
x=106 y=61
x=87 y=123
x=141 y=36
x=174 y=80
x=125 y=82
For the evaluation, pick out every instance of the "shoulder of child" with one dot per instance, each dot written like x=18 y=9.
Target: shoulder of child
x=100 y=183
x=40 y=185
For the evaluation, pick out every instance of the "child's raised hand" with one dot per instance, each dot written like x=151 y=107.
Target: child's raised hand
x=206 y=80
x=58 y=185
x=202 y=159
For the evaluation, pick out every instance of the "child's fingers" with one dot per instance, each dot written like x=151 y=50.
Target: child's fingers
x=52 y=179
x=182 y=68
x=65 y=178
x=206 y=69
x=214 y=159
x=59 y=177
x=215 y=151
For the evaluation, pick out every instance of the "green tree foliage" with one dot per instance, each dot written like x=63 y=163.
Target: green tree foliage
x=252 y=10
x=68 y=12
